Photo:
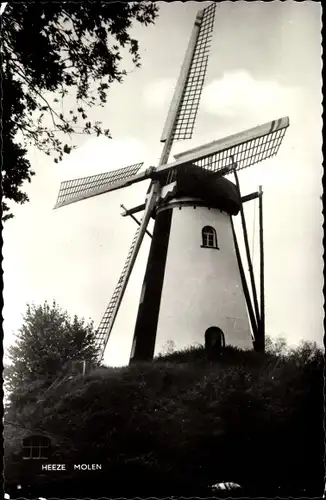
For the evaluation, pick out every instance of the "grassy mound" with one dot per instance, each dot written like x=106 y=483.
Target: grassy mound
x=181 y=423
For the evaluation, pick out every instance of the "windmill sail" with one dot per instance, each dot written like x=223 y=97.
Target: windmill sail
x=179 y=124
x=264 y=144
x=107 y=322
x=184 y=106
x=246 y=148
x=85 y=187
x=188 y=109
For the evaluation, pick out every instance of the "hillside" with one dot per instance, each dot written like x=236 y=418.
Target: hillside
x=182 y=423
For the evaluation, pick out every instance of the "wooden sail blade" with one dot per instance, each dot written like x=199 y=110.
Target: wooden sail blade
x=246 y=154
x=105 y=327
x=184 y=106
x=247 y=148
x=85 y=187
x=106 y=324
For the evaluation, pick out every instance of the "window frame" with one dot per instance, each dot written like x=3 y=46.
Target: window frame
x=209 y=233
x=30 y=444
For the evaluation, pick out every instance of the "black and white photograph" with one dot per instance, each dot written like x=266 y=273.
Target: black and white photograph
x=162 y=227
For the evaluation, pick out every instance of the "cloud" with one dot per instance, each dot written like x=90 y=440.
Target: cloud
x=239 y=99
x=100 y=154
x=2 y=7
x=158 y=94
x=237 y=95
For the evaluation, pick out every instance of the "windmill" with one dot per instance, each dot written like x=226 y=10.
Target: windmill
x=194 y=278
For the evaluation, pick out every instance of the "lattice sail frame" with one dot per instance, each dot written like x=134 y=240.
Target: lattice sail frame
x=104 y=329
x=245 y=154
x=247 y=148
x=75 y=190
x=188 y=108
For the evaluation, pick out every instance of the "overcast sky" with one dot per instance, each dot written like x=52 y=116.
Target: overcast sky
x=265 y=63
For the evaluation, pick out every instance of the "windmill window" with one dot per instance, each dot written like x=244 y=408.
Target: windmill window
x=209 y=237
x=36 y=448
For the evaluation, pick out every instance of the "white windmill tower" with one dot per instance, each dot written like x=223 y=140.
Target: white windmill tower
x=194 y=277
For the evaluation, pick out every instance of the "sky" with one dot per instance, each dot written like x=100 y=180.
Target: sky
x=265 y=63
x=3 y=7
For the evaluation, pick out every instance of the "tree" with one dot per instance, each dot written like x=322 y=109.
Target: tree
x=47 y=340
x=51 y=50
x=168 y=348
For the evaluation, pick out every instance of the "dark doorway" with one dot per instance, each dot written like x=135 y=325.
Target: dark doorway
x=214 y=341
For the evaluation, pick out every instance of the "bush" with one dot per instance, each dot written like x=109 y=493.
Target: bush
x=180 y=423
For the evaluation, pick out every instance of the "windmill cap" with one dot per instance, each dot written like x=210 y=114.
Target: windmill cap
x=210 y=187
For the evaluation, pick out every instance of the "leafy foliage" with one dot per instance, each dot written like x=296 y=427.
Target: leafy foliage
x=45 y=345
x=51 y=51
x=47 y=340
x=179 y=424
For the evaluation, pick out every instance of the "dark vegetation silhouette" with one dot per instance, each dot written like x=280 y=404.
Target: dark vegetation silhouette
x=58 y=61
x=181 y=423
x=46 y=341
x=45 y=348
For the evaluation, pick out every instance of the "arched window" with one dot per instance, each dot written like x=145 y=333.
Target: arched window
x=209 y=237
x=36 y=447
